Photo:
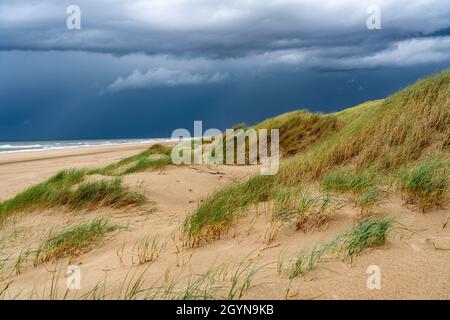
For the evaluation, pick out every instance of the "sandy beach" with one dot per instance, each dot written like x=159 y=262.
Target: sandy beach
x=19 y=170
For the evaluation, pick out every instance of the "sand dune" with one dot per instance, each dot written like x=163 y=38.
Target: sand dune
x=411 y=265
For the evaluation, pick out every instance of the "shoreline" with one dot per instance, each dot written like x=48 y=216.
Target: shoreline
x=20 y=170
x=47 y=145
x=11 y=157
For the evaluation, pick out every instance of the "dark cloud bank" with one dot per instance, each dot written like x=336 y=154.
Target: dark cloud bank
x=145 y=68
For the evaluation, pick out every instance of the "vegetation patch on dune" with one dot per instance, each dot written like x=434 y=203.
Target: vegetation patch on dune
x=110 y=193
x=73 y=241
x=155 y=157
x=218 y=210
x=67 y=189
x=350 y=151
x=368 y=234
x=303 y=209
x=300 y=129
x=425 y=183
x=383 y=135
x=347 y=180
x=368 y=201
x=49 y=193
x=148 y=249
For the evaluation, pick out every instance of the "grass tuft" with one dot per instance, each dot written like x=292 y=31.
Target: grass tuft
x=218 y=211
x=305 y=211
x=425 y=184
x=371 y=233
x=155 y=157
x=345 y=180
x=368 y=201
x=62 y=190
x=73 y=241
x=52 y=192
x=148 y=249
x=110 y=193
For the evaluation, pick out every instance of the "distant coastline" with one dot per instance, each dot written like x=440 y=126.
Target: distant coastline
x=23 y=146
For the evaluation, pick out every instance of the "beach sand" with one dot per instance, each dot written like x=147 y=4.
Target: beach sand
x=411 y=266
x=19 y=170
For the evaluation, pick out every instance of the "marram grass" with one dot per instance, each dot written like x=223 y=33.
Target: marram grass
x=67 y=188
x=368 y=234
x=218 y=210
x=155 y=157
x=355 y=151
x=425 y=183
x=347 y=180
x=73 y=241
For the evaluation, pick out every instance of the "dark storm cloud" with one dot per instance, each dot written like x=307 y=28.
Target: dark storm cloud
x=214 y=28
x=218 y=29
x=229 y=35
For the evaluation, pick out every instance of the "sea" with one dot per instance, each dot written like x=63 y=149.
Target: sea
x=21 y=146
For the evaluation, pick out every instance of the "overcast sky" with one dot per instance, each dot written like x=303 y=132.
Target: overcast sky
x=144 y=68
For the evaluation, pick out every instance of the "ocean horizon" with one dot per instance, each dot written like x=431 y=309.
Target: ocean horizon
x=41 y=145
